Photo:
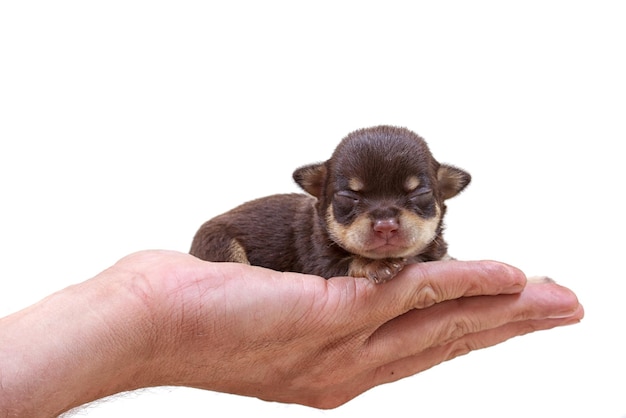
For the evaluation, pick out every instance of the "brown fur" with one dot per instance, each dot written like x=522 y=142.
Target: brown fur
x=374 y=206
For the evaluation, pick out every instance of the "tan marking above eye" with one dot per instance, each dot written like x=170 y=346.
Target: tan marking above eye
x=411 y=183
x=355 y=184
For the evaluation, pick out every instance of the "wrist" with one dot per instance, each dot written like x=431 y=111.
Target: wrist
x=91 y=338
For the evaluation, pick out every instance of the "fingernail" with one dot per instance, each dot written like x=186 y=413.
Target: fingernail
x=568 y=314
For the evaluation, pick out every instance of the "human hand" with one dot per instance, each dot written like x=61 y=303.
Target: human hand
x=165 y=318
x=302 y=339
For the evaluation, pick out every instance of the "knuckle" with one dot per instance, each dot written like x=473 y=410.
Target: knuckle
x=426 y=295
x=458 y=348
x=457 y=329
x=454 y=329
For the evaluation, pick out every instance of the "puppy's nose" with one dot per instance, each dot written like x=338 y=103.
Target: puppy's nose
x=385 y=228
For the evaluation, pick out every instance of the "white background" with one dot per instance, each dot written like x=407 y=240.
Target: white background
x=126 y=124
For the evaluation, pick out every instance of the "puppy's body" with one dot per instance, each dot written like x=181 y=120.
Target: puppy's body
x=374 y=206
x=281 y=232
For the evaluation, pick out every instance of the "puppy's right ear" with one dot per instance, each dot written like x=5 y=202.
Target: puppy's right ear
x=311 y=178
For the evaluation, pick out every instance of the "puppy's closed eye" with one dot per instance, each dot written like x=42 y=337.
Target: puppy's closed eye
x=421 y=195
x=423 y=200
x=347 y=196
x=345 y=203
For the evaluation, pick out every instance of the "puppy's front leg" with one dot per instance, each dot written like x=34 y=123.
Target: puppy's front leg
x=378 y=271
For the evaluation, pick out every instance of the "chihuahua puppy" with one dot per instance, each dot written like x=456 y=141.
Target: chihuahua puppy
x=377 y=204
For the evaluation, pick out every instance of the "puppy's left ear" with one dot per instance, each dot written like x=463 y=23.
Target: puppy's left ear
x=311 y=178
x=452 y=180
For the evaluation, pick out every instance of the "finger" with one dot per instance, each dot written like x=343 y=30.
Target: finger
x=425 y=284
x=411 y=365
x=419 y=330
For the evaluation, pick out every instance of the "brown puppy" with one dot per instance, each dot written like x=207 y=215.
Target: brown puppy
x=374 y=206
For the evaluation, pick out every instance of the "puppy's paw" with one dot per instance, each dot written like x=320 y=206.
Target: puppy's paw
x=378 y=271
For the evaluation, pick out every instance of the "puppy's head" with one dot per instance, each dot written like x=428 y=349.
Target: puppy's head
x=382 y=193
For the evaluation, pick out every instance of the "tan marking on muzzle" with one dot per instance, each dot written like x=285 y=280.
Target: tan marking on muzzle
x=416 y=234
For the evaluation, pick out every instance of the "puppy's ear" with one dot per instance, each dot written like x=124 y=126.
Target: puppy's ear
x=311 y=178
x=452 y=180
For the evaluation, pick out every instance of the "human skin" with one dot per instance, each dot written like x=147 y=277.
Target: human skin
x=165 y=318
